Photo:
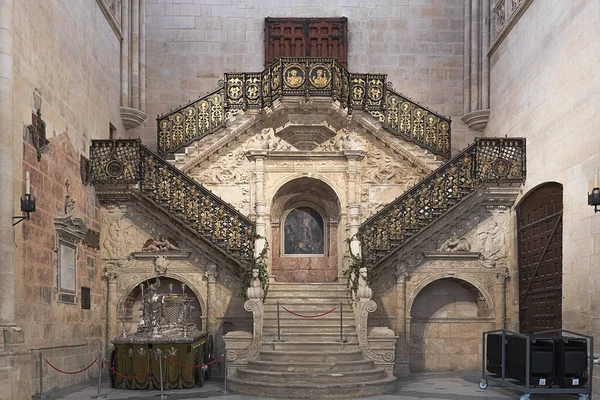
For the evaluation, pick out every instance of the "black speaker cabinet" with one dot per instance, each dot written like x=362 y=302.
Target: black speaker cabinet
x=571 y=362
x=541 y=361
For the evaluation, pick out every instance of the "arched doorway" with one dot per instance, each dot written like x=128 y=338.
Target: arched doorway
x=539 y=225
x=304 y=227
x=447 y=318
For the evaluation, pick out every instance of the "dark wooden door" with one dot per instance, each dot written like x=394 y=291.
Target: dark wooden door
x=540 y=259
x=306 y=37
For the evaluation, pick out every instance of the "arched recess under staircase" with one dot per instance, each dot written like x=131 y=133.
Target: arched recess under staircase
x=539 y=224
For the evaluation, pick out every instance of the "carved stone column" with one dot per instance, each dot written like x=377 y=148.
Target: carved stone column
x=133 y=63
x=260 y=204
x=402 y=347
x=354 y=157
x=111 y=307
x=211 y=299
x=476 y=80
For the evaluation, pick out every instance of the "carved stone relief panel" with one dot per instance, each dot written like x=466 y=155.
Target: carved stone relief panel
x=384 y=176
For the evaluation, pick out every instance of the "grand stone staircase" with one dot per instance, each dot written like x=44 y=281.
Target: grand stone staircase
x=307 y=357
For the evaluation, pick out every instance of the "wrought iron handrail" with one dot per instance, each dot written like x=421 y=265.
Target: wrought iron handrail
x=292 y=77
x=487 y=160
x=191 y=122
x=130 y=162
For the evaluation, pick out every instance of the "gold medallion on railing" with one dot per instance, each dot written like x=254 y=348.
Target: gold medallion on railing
x=320 y=76
x=294 y=76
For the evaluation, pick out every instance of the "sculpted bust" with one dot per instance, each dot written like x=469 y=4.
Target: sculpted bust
x=364 y=292
x=255 y=291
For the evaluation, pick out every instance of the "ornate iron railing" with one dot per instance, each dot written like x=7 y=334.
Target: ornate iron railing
x=488 y=160
x=130 y=162
x=307 y=77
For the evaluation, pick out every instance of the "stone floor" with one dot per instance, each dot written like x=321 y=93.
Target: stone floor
x=433 y=386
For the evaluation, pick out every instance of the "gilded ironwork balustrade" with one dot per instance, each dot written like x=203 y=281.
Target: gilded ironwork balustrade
x=488 y=160
x=130 y=162
x=306 y=77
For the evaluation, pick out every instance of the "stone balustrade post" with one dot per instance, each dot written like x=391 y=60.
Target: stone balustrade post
x=241 y=346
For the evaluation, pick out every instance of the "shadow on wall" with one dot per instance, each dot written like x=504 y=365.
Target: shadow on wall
x=445 y=329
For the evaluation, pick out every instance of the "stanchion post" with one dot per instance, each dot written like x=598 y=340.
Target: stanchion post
x=162 y=394
x=341 y=324
x=278 y=325
x=41 y=372
x=100 y=362
x=225 y=389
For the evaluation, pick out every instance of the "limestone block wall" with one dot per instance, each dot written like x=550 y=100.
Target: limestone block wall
x=46 y=322
x=69 y=52
x=418 y=44
x=545 y=86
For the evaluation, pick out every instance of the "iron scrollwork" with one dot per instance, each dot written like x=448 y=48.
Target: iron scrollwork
x=128 y=161
x=486 y=161
x=302 y=76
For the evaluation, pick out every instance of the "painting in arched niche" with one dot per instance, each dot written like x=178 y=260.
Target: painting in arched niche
x=304 y=232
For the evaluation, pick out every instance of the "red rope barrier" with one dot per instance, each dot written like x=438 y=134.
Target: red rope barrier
x=70 y=373
x=195 y=366
x=310 y=316
x=127 y=376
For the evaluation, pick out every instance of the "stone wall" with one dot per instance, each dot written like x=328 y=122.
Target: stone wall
x=445 y=333
x=557 y=109
x=418 y=44
x=545 y=87
x=69 y=52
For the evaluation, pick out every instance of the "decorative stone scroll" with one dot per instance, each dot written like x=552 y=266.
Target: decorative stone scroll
x=240 y=347
x=379 y=344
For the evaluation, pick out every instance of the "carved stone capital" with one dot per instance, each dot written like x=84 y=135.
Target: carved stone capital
x=211 y=272
x=132 y=117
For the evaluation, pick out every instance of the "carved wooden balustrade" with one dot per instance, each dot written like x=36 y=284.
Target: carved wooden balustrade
x=128 y=162
x=307 y=77
x=487 y=161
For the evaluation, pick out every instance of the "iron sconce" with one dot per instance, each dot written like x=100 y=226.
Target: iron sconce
x=27 y=202
x=594 y=197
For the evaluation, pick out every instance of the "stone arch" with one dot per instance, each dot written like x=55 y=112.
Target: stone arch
x=319 y=195
x=296 y=176
x=122 y=297
x=448 y=313
x=466 y=281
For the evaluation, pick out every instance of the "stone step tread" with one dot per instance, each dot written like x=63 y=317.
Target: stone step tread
x=314 y=385
x=341 y=363
x=294 y=377
x=312 y=353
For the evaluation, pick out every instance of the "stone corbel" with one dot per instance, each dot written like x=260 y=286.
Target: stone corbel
x=242 y=346
x=378 y=344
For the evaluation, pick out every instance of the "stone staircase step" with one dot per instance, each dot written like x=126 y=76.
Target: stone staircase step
x=316 y=367
x=311 y=390
x=291 y=327
x=307 y=345
x=296 y=377
x=319 y=337
x=351 y=355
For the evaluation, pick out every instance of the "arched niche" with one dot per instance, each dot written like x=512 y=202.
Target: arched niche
x=130 y=308
x=447 y=318
x=307 y=208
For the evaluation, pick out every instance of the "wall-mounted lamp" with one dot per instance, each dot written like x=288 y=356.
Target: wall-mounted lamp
x=37 y=129
x=27 y=202
x=594 y=197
